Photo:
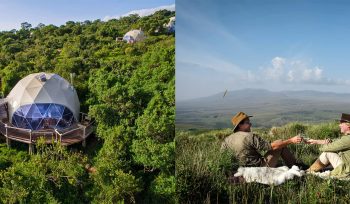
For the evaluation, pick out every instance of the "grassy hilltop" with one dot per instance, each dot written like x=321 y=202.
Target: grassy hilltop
x=202 y=169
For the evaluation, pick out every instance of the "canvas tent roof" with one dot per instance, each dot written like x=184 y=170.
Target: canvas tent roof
x=43 y=88
x=171 y=21
x=171 y=24
x=134 y=36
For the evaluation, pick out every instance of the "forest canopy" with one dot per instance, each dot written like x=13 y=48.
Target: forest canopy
x=128 y=88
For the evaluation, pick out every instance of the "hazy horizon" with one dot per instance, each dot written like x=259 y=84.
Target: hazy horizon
x=223 y=92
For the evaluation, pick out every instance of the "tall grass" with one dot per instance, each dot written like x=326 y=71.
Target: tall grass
x=203 y=170
x=201 y=167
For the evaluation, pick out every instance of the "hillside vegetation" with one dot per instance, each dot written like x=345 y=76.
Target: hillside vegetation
x=203 y=170
x=127 y=88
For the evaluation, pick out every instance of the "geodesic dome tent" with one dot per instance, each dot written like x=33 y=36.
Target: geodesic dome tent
x=171 y=24
x=134 y=36
x=43 y=100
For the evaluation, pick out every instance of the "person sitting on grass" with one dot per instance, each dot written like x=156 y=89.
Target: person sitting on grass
x=335 y=153
x=248 y=147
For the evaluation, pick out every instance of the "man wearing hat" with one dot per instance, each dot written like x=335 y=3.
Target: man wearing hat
x=248 y=147
x=335 y=153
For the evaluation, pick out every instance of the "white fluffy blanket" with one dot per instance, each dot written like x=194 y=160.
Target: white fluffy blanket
x=268 y=175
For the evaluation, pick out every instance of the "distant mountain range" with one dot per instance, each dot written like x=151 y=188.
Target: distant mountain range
x=268 y=108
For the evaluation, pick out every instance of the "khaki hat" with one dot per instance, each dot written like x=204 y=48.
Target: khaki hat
x=345 y=118
x=239 y=117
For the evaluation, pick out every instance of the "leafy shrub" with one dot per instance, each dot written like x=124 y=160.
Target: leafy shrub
x=52 y=175
x=129 y=89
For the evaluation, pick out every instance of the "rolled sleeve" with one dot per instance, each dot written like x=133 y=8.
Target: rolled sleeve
x=341 y=144
x=260 y=144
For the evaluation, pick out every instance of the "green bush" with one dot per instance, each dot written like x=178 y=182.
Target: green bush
x=129 y=90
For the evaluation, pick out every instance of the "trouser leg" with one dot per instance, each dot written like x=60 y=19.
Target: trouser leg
x=272 y=157
x=287 y=156
x=330 y=158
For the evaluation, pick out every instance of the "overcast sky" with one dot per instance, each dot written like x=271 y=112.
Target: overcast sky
x=274 y=45
x=58 y=12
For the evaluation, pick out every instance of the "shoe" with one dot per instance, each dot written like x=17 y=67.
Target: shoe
x=316 y=166
x=302 y=166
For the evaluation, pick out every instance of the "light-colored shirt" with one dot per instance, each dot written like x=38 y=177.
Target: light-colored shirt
x=247 y=147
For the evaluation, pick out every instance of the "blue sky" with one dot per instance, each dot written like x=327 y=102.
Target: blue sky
x=58 y=12
x=274 y=45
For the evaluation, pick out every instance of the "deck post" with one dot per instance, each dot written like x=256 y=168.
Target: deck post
x=7 y=111
x=84 y=141
x=31 y=148
x=30 y=143
x=8 y=141
x=56 y=135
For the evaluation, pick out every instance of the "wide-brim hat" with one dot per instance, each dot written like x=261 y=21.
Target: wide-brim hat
x=345 y=118
x=239 y=117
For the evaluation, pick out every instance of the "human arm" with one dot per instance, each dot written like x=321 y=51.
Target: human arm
x=278 y=144
x=321 y=142
x=338 y=145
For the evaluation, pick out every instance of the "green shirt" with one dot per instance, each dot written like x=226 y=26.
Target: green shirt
x=247 y=147
x=342 y=147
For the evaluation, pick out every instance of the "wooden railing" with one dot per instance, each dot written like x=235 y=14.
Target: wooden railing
x=76 y=133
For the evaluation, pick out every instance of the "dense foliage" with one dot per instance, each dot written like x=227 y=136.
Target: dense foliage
x=204 y=172
x=129 y=89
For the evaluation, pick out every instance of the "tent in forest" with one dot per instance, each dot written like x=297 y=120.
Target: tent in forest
x=43 y=100
x=171 y=24
x=134 y=36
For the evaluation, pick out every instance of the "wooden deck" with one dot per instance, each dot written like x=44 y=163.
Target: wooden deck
x=74 y=134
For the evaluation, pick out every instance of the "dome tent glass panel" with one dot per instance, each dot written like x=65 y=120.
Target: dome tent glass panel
x=34 y=123
x=43 y=115
x=19 y=121
x=23 y=111
x=33 y=112
x=54 y=112
x=43 y=108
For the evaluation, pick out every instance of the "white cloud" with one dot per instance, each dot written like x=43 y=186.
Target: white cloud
x=290 y=76
x=281 y=70
x=276 y=72
x=294 y=71
x=318 y=73
x=278 y=62
x=142 y=12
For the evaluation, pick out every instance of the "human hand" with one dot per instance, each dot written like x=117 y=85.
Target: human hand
x=307 y=140
x=296 y=139
x=327 y=141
